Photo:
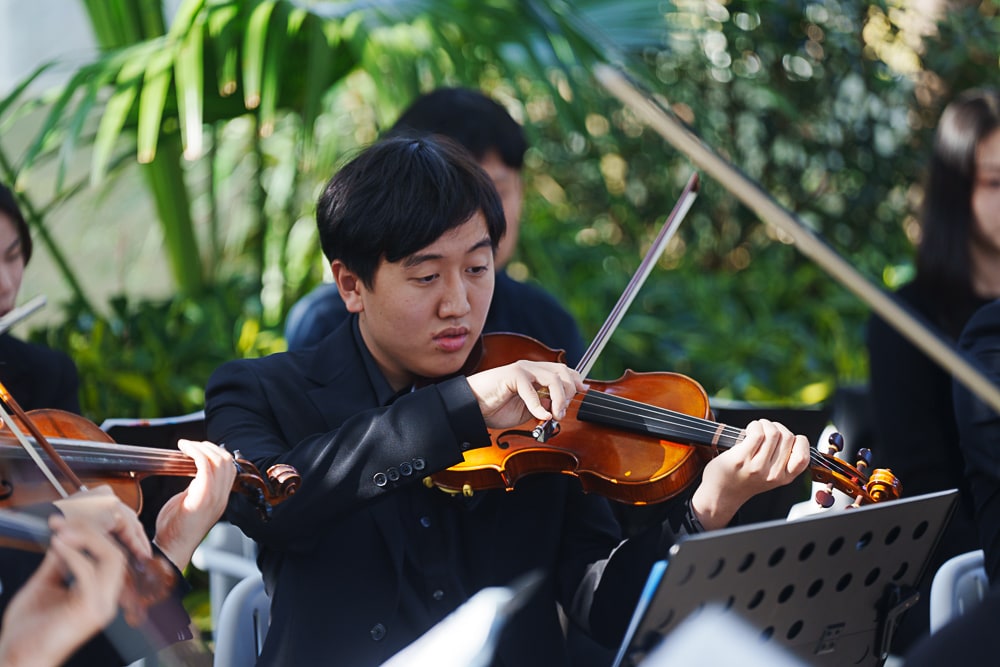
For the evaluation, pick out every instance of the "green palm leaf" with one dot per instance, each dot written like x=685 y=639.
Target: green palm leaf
x=222 y=59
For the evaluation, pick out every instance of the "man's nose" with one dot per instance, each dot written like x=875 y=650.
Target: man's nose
x=455 y=302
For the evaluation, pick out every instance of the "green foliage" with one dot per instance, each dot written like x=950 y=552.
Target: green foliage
x=797 y=96
x=153 y=358
x=829 y=106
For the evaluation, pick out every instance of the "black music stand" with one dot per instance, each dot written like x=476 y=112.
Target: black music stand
x=828 y=587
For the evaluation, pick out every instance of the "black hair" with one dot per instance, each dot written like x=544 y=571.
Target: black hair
x=943 y=259
x=468 y=117
x=9 y=207
x=400 y=195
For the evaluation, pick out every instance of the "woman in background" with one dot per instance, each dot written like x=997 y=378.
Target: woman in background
x=957 y=272
x=35 y=375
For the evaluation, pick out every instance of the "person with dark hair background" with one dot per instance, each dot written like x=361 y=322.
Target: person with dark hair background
x=484 y=128
x=37 y=376
x=957 y=272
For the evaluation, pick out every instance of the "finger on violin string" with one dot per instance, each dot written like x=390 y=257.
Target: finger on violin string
x=205 y=450
x=799 y=456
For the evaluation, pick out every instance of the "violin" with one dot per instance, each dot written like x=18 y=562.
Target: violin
x=640 y=439
x=97 y=459
x=148 y=581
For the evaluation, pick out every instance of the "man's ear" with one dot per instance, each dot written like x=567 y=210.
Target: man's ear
x=349 y=286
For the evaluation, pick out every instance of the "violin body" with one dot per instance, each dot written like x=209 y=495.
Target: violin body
x=23 y=483
x=625 y=466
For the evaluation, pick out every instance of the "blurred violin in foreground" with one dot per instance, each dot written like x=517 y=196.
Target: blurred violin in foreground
x=148 y=580
x=96 y=459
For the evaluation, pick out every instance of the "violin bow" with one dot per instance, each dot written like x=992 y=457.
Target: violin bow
x=42 y=442
x=667 y=231
x=545 y=429
x=680 y=136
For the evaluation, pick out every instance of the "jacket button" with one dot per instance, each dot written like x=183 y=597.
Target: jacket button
x=393 y=474
x=378 y=632
x=380 y=479
x=466 y=446
x=405 y=469
x=418 y=464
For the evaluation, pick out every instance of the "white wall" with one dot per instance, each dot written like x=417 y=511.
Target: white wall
x=109 y=234
x=35 y=31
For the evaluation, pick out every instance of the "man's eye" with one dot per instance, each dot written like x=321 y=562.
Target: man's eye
x=479 y=270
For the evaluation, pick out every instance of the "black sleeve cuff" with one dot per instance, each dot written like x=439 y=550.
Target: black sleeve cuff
x=463 y=410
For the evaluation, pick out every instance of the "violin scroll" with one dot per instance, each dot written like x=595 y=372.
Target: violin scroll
x=877 y=486
x=282 y=481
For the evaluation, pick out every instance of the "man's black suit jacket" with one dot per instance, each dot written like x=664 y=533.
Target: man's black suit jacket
x=333 y=555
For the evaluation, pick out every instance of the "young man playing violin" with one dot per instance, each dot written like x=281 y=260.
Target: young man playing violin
x=365 y=557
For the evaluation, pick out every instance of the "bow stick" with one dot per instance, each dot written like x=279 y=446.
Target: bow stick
x=545 y=429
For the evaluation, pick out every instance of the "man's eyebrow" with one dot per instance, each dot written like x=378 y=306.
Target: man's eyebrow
x=420 y=258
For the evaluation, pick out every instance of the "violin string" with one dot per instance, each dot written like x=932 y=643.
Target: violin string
x=703 y=428
x=702 y=431
x=125 y=455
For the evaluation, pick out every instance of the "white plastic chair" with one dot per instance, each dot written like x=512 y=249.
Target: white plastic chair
x=243 y=623
x=228 y=556
x=958 y=586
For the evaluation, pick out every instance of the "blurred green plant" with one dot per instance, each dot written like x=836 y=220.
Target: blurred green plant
x=829 y=106
x=152 y=358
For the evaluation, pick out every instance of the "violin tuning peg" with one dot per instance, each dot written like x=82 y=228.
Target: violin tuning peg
x=824 y=498
x=835 y=443
x=864 y=459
